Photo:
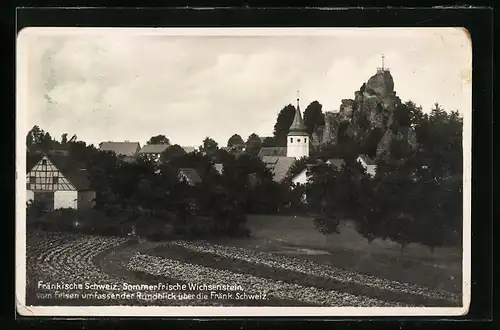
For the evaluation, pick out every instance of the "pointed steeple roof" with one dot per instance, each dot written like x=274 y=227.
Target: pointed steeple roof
x=298 y=127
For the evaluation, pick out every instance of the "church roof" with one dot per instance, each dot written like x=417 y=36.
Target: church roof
x=272 y=151
x=297 y=127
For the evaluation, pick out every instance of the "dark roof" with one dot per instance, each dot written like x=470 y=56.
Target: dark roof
x=121 y=148
x=153 y=148
x=191 y=174
x=272 y=151
x=279 y=166
x=336 y=162
x=73 y=171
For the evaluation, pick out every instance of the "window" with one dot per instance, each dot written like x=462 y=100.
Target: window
x=305 y=140
x=55 y=180
x=291 y=140
x=32 y=179
x=298 y=140
x=44 y=161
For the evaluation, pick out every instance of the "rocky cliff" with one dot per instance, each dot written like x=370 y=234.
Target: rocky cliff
x=372 y=116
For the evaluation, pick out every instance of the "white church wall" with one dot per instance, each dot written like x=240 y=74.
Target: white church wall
x=298 y=146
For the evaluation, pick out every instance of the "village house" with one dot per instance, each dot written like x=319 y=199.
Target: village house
x=128 y=151
x=59 y=182
x=236 y=149
x=302 y=176
x=189 y=175
x=153 y=151
x=189 y=149
x=369 y=164
x=219 y=168
x=279 y=160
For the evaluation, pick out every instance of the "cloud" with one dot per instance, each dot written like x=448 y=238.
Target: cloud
x=130 y=87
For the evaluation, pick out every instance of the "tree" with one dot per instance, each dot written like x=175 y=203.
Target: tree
x=172 y=152
x=298 y=166
x=401 y=229
x=326 y=225
x=158 y=139
x=64 y=138
x=210 y=146
x=253 y=144
x=313 y=116
x=235 y=140
x=35 y=136
x=269 y=141
x=236 y=179
x=38 y=139
x=283 y=123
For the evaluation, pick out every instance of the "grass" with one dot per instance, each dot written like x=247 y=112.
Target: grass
x=287 y=235
x=263 y=271
x=114 y=261
x=349 y=250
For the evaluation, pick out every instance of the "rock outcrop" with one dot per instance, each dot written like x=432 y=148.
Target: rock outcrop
x=374 y=109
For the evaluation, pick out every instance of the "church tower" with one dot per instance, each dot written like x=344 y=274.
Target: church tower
x=297 y=140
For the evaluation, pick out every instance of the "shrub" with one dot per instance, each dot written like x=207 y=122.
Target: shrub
x=326 y=225
x=93 y=222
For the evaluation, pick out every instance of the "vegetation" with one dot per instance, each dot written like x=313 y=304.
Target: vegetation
x=415 y=196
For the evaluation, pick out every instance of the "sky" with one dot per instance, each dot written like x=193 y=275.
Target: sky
x=130 y=84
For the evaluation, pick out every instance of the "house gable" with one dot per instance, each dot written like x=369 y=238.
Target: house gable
x=45 y=176
x=300 y=177
x=368 y=163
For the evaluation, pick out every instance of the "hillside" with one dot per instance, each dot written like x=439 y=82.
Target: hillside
x=373 y=119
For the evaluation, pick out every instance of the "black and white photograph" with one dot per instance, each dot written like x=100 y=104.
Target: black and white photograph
x=243 y=171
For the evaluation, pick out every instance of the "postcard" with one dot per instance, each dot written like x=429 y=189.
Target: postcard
x=243 y=171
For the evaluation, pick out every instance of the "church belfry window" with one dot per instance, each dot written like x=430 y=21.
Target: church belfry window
x=305 y=140
x=291 y=140
x=298 y=140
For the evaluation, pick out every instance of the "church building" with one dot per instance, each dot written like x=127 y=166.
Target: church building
x=297 y=145
x=280 y=159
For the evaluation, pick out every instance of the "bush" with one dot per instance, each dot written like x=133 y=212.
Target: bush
x=156 y=228
x=92 y=222
x=58 y=220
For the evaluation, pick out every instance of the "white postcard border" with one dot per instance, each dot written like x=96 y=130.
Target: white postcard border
x=21 y=130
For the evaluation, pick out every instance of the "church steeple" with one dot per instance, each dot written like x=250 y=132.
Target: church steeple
x=297 y=145
x=297 y=126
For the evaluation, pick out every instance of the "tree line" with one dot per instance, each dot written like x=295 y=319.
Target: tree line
x=415 y=196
